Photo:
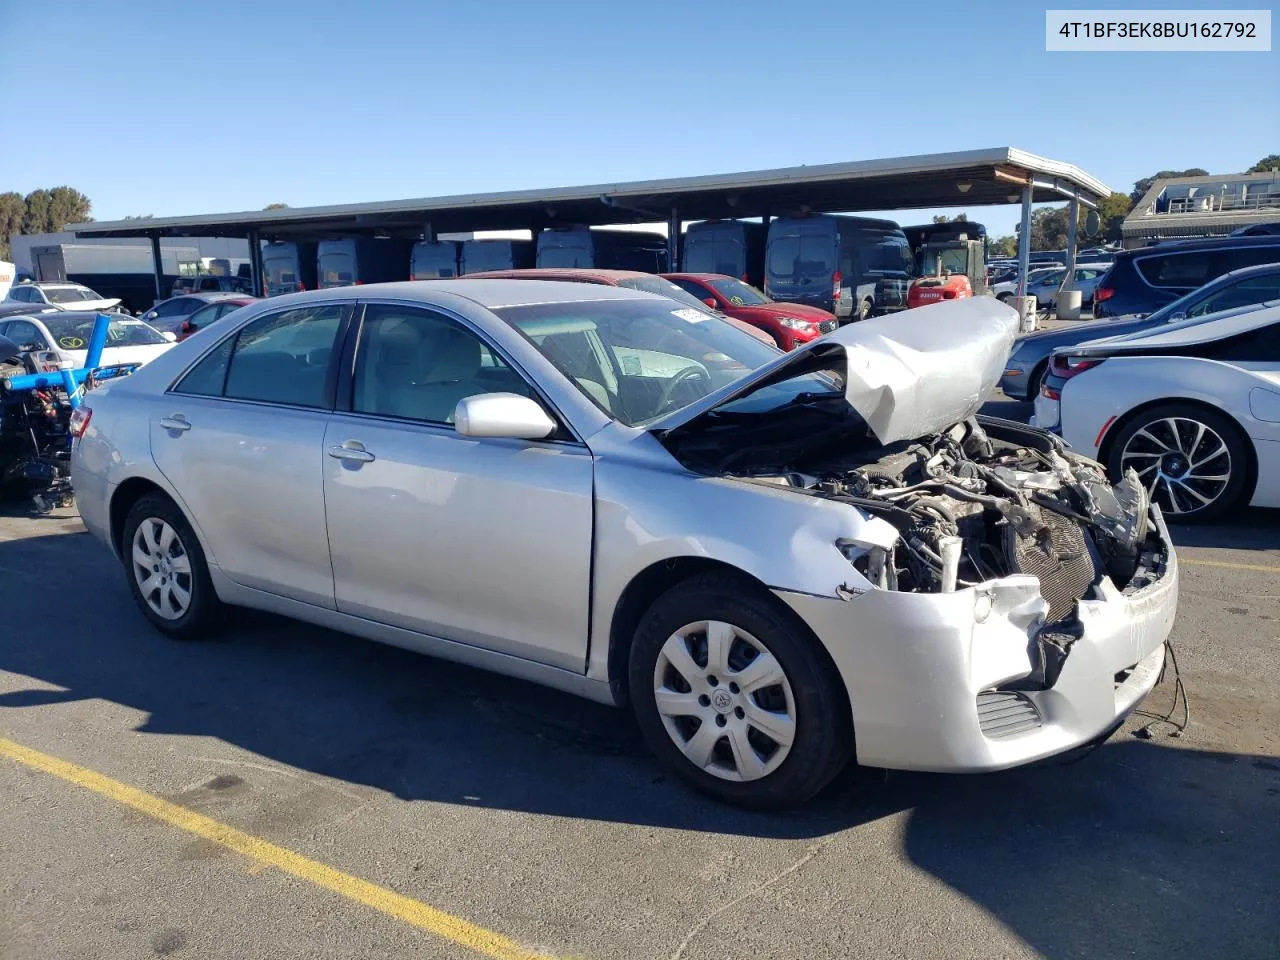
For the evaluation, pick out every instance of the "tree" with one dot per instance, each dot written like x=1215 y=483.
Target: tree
x=1006 y=246
x=139 y=216
x=943 y=218
x=1111 y=212
x=1266 y=164
x=36 y=217
x=12 y=209
x=1049 y=228
x=276 y=206
x=1141 y=187
x=67 y=205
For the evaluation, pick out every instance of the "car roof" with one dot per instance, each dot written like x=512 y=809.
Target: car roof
x=578 y=274
x=484 y=291
x=697 y=276
x=54 y=283
x=1201 y=243
x=1189 y=332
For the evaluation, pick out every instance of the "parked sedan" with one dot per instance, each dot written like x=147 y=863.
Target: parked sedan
x=781 y=561
x=65 y=335
x=211 y=312
x=1030 y=358
x=789 y=324
x=1192 y=408
x=1045 y=286
x=169 y=315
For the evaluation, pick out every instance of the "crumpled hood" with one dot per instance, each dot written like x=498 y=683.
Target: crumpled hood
x=909 y=374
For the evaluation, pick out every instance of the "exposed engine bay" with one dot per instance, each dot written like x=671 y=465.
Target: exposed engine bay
x=990 y=499
x=987 y=498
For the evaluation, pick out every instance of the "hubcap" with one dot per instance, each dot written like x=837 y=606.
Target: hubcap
x=725 y=700
x=1184 y=464
x=162 y=568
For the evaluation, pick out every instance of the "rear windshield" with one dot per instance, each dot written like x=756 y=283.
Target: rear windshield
x=73 y=333
x=487 y=255
x=800 y=261
x=567 y=255
x=1176 y=270
x=337 y=269
x=69 y=294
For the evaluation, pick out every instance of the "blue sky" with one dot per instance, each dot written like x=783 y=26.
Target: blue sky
x=244 y=104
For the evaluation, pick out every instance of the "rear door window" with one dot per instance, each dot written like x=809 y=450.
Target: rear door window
x=1252 y=256
x=1244 y=293
x=800 y=260
x=279 y=358
x=337 y=270
x=1179 y=269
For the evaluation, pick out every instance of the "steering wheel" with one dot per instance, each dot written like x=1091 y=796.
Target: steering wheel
x=688 y=373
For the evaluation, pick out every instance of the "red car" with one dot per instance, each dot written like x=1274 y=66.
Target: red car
x=790 y=324
x=213 y=311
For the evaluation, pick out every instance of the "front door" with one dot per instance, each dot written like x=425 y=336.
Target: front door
x=241 y=439
x=481 y=541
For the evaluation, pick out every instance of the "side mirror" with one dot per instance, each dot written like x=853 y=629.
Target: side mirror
x=502 y=415
x=711 y=302
x=170 y=336
x=149 y=315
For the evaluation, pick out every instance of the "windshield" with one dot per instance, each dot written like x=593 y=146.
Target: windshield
x=70 y=294
x=639 y=359
x=738 y=293
x=73 y=333
x=953 y=259
x=664 y=288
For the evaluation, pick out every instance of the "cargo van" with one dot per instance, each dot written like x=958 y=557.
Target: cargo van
x=854 y=267
x=734 y=248
x=480 y=255
x=341 y=263
x=288 y=267
x=602 y=249
x=433 y=259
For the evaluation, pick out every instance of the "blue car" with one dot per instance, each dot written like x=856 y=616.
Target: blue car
x=1027 y=364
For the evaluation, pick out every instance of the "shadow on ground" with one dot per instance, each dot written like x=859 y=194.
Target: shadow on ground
x=1141 y=849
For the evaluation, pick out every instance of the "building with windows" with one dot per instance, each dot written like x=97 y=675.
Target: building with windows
x=1181 y=208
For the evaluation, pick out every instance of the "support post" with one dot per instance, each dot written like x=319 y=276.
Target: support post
x=1073 y=226
x=1026 y=316
x=256 y=279
x=158 y=265
x=673 y=240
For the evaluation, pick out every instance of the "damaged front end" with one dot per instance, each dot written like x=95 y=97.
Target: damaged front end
x=1003 y=600
x=989 y=500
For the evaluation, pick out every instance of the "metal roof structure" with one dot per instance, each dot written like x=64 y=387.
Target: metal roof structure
x=1203 y=206
x=971 y=177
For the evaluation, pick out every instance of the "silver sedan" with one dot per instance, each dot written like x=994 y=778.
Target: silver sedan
x=780 y=561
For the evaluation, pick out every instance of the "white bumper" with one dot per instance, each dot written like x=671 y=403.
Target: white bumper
x=922 y=669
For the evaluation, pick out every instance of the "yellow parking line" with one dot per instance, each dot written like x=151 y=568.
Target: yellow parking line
x=412 y=912
x=1229 y=566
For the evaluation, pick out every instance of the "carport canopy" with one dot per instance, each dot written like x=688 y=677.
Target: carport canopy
x=1002 y=175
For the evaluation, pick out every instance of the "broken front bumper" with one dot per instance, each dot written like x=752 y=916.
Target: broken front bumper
x=932 y=678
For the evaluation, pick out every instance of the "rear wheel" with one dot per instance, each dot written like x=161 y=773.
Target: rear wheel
x=1192 y=460
x=864 y=311
x=1035 y=380
x=166 y=569
x=735 y=696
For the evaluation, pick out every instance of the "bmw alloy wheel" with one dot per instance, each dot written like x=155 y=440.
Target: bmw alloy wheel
x=725 y=700
x=1184 y=464
x=162 y=568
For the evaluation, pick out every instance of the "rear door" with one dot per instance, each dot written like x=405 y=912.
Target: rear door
x=800 y=266
x=483 y=541
x=240 y=438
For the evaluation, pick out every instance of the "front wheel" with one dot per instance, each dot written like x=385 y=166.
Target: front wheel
x=736 y=697
x=1192 y=460
x=166 y=569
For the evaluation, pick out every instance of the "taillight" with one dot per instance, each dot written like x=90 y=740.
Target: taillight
x=948 y=294
x=79 y=421
x=1104 y=293
x=835 y=284
x=1065 y=367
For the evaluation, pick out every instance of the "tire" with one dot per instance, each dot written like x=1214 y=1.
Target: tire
x=1149 y=442
x=809 y=704
x=1035 y=380
x=145 y=538
x=864 y=311
x=1005 y=297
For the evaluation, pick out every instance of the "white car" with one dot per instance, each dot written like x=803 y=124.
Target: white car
x=1193 y=409
x=1009 y=288
x=65 y=336
x=67 y=296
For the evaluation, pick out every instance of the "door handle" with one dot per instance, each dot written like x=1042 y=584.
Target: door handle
x=351 y=452
x=176 y=422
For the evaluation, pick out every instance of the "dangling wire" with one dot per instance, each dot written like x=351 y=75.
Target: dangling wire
x=1179 y=694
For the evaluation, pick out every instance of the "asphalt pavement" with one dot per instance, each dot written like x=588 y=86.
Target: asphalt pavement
x=285 y=791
